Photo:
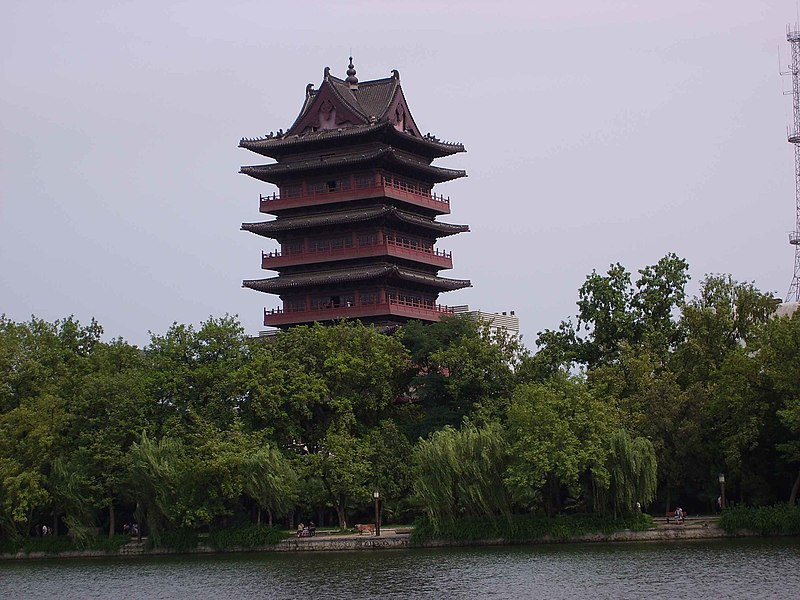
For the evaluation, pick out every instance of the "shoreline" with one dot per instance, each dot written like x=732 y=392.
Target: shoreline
x=393 y=540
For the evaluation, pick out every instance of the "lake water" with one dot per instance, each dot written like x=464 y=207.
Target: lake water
x=742 y=568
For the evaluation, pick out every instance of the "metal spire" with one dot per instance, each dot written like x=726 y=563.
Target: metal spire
x=351 y=75
x=793 y=37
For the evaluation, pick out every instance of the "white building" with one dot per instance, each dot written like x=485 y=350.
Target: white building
x=506 y=321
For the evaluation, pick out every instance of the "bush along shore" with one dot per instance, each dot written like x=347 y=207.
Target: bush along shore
x=177 y=541
x=517 y=529
x=781 y=519
x=776 y=520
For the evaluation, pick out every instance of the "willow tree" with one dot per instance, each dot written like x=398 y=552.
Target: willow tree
x=154 y=481
x=71 y=491
x=270 y=480
x=460 y=473
x=628 y=476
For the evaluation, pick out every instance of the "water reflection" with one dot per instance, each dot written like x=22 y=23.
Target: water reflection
x=710 y=569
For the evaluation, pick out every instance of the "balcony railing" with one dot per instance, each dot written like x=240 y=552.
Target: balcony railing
x=395 y=307
x=399 y=249
x=384 y=187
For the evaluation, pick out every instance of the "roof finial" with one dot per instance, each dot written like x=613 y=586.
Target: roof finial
x=351 y=75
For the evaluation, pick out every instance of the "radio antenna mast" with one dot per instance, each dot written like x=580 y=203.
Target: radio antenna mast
x=793 y=37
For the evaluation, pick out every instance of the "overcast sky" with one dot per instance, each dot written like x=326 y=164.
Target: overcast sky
x=596 y=132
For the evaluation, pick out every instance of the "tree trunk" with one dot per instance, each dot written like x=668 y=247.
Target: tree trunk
x=341 y=513
x=258 y=519
x=269 y=516
x=795 y=490
x=321 y=517
x=111 y=520
x=55 y=523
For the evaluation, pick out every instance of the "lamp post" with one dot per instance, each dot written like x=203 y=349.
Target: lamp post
x=377 y=497
x=722 y=491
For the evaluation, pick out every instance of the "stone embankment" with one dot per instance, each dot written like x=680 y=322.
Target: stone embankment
x=694 y=529
x=661 y=533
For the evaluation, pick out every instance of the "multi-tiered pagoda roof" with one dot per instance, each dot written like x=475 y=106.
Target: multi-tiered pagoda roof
x=356 y=213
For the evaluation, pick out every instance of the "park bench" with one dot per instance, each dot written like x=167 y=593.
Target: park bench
x=361 y=528
x=671 y=515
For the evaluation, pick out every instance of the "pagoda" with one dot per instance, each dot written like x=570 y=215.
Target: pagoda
x=355 y=216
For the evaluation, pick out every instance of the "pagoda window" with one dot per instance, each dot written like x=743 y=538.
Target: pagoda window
x=341 y=242
x=316 y=187
x=338 y=185
x=326 y=244
x=294 y=305
x=292 y=191
x=367 y=239
x=368 y=298
x=408 y=241
x=345 y=299
x=365 y=181
x=293 y=247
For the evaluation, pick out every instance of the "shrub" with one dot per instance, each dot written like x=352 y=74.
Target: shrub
x=62 y=543
x=525 y=528
x=246 y=537
x=180 y=540
x=781 y=519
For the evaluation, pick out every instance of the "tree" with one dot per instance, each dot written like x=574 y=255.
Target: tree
x=270 y=479
x=459 y=473
x=779 y=357
x=725 y=315
x=328 y=387
x=198 y=372
x=612 y=311
x=628 y=476
x=459 y=366
x=110 y=410
x=342 y=464
x=557 y=430
x=43 y=368
x=389 y=455
x=157 y=471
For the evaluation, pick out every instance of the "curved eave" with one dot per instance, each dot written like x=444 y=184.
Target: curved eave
x=283 y=224
x=278 y=172
x=274 y=147
x=284 y=283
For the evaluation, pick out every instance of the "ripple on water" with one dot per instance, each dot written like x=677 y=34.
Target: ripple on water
x=709 y=569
